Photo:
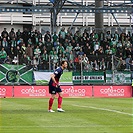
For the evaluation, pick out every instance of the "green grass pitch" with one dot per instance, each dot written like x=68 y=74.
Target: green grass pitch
x=83 y=115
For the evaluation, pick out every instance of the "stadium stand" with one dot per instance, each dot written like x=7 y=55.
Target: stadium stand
x=29 y=48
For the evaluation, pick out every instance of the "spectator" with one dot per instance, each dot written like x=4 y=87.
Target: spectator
x=40 y=44
x=55 y=60
x=96 y=45
x=71 y=66
x=95 y=65
x=66 y=43
x=39 y=35
x=52 y=51
x=85 y=37
x=62 y=33
x=127 y=52
x=88 y=67
x=45 y=59
x=18 y=34
x=20 y=42
x=15 y=61
x=71 y=56
x=11 y=53
x=81 y=53
x=102 y=64
x=48 y=45
x=120 y=64
x=69 y=36
x=77 y=48
x=108 y=51
x=25 y=36
x=5 y=44
x=73 y=42
x=77 y=36
x=47 y=36
x=113 y=42
x=116 y=36
x=25 y=60
x=37 y=52
x=30 y=42
x=12 y=34
x=127 y=61
x=67 y=53
x=108 y=36
x=127 y=43
x=23 y=48
x=3 y=55
x=35 y=63
x=4 y=34
x=69 y=47
x=63 y=58
x=55 y=39
x=122 y=38
x=19 y=54
x=8 y=60
x=29 y=51
x=13 y=42
x=119 y=44
x=60 y=49
x=85 y=59
x=114 y=50
x=36 y=39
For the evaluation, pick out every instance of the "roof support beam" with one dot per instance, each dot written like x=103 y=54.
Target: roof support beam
x=67 y=9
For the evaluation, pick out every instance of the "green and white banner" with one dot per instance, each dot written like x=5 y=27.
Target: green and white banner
x=15 y=74
x=42 y=78
x=88 y=77
x=123 y=77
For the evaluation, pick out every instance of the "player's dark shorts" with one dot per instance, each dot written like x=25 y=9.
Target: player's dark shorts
x=54 y=90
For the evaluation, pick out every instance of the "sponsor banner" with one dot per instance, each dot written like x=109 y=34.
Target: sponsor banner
x=77 y=91
x=112 y=91
x=88 y=78
x=123 y=77
x=31 y=91
x=6 y=91
x=43 y=91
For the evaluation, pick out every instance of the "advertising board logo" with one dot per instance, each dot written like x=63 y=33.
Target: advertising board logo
x=74 y=91
x=110 y=91
x=34 y=92
x=2 y=91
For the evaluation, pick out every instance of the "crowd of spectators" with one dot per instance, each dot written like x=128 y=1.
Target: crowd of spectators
x=92 y=51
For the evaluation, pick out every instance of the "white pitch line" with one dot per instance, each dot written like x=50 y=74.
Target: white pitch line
x=66 y=126
x=104 y=109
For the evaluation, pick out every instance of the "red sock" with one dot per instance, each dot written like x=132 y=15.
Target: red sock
x=51 y=100
x=59 y=101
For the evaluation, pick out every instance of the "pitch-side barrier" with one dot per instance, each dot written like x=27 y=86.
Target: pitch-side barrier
x=68 y=91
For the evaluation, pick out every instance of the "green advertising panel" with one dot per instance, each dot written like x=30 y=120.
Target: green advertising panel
x=88 y=78
x=15 y=74
x=118 y=77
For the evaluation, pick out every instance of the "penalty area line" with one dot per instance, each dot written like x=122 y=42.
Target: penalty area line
x=104 y=109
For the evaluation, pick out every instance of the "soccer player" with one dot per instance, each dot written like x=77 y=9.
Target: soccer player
x=55 y=88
